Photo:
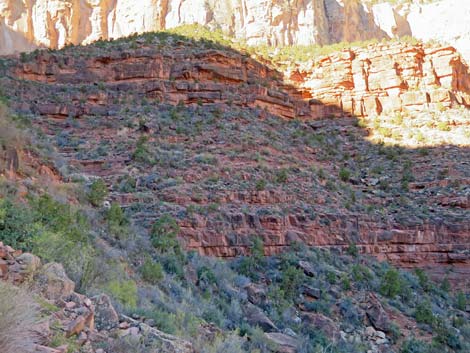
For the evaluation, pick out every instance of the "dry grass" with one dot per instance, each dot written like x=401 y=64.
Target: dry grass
x=18 y=314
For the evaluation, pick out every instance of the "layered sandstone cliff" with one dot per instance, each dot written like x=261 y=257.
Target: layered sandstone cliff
x=382 y=78
x=81 y=88
x=27 y=24
x=385 y=78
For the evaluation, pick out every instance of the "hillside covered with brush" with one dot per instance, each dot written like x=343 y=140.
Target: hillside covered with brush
x=124 y=163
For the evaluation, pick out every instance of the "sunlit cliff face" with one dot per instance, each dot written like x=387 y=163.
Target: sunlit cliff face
x=26 y=25
x=429 y=128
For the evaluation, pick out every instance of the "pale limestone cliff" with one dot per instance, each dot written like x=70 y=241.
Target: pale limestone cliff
x=28 y=24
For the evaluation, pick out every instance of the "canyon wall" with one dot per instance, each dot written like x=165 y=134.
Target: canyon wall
x=361 y=82
x=384 y=78
x=28 y=24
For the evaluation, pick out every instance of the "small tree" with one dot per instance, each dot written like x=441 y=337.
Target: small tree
x=152 y=272
x=98 y=192
x=423 y=313
x=292 y=278
x=164 y=235
x=391 y=284
x=352 y=250
x=461 y=300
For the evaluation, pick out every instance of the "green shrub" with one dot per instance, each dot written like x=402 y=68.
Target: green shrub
x=141 y=153
x=291 y=279
x=423 y=313
x=252 y=264
x=445 y=285
x=164 y=235
x=116 y=220
x=423 y=279
x=282 y=176
x=352 y=250
x=461 y=301
x=124 y=291
x=260 y=185
x=206 y=275
x=16 y=225
x=98 y=192
x=257 y=250
x=344 y=174
x=152 y=272
x=414 y=346
x=391 y=284
x=360 y=273
x=345 y=283
x=395 y=332
x=115 y=216
x=331 y=277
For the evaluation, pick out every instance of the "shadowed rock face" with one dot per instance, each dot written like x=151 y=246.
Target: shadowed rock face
x=25 y=25
x=88 y=97
x=359 y=82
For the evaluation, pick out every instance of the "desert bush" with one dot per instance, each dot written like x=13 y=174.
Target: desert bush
x=15 y=225
x=98 y=192
x=117 y=221
x=163 y=320
x=391 y=284
x=261 y=184
x=424 y=314
x=152 y=272
x=252 y=264
x=282 y=176
x=423 y=279
x=163 y=235
x=258 y=342
x=414 y=346
x=141 y=153
x=352 y=250
x=461 y=301
x=18 y=314
x=124 y=291
x=291 y=280
x=344 y=174
x=230 y=343
x=361 y=274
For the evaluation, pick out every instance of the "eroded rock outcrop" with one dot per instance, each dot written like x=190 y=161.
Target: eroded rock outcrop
x=386 y=78
x=359 y=81
x=367 y=81
x=89 y=323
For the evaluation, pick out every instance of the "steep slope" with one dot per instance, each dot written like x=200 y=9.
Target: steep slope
x=184 y=127
x=160 y=140
x=25 y=25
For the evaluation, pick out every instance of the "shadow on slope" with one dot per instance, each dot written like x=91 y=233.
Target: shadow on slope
x=188 y=128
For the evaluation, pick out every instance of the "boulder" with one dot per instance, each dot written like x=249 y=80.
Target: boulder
x=256 y=317
x=53 y=283
x=106 y=316
x=30 y=263
x=284 y=343
x=322 y=323
x=378 y=317
x=75 y=327
x=307 y=267
x=256 y=293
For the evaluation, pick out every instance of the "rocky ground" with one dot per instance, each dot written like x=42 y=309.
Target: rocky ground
x=115 y=154
x=187 y=127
